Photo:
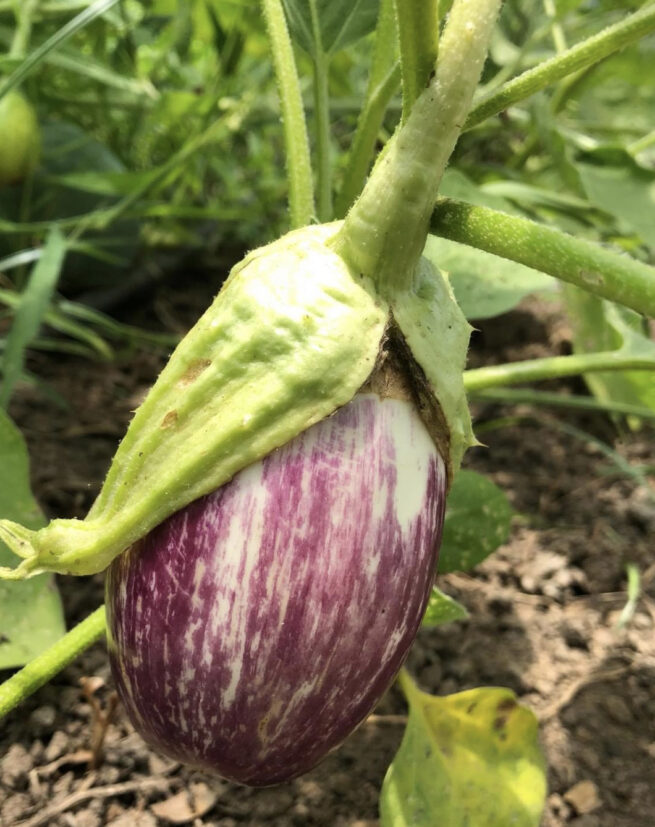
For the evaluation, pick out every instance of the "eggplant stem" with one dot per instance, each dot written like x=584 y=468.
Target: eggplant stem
x=46 y=665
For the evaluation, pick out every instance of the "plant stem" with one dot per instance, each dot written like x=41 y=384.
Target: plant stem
x=553 y=367
x=590 y=51
x=587 y=265
x=322 y=118
x=418 y=29
x=24 y=16
x=383 y=80
x=556 y=30
x=530 y=396
x=294 y=124
x=322 y=115
x=368 y=127
x=642 y=143
x=407 y=684
x=384 y=233
x=40 y=670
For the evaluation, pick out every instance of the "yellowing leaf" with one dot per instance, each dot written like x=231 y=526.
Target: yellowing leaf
x=466 y=760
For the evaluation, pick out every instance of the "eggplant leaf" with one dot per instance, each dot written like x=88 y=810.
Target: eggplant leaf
x=602 y=326
x=31 y=617
x=29 y=314
x=442 y=609
x=616 y=184
x=478 y=517
x=466 y=760
x=340 y=23
x=485 y=285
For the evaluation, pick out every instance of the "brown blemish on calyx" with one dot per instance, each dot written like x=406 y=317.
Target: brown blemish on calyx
x=169 y=420
x=193 y=371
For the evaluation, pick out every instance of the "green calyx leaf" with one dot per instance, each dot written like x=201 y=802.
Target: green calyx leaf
x=467 y=759
x=292 y=336
x=437 y=335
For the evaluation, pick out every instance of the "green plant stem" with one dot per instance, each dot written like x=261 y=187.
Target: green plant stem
x=590 y=51
x=24 y=16
x=364 y=144
x=384 y=77
x=294 y=124
x=642 y=143
x=556 y=30
x=407 y=684
x=384 y=233
x=418 y=30
x=46 y=665
x=529 y=396
x=576 y=261
x=322 y=120
x=322 y=114
x=553 y=367
x=34 y=59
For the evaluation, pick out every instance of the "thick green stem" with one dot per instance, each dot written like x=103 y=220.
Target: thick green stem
x=418 y=29
x=553 y=367
x=46 y=665
x=587 y=265
x=384 y=234
x=594 y=49
x=299 y=167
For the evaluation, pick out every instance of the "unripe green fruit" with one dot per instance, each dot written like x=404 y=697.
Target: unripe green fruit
x=20 y=139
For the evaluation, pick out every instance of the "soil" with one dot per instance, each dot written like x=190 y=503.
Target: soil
x=543 y=616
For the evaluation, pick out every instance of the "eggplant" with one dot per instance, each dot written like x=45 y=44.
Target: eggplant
x=254 y=629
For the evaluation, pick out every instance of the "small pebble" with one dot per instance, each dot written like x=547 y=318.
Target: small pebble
x=57 y=747
x=583 y=797
x=268 y=804
x=42 y=720
x=16 y=765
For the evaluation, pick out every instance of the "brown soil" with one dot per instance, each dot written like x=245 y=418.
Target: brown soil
x=544 y=613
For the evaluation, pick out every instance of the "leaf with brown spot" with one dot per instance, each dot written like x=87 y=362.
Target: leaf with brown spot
x=467 y=759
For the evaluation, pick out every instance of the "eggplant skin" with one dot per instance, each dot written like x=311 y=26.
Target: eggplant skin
x=252 y=631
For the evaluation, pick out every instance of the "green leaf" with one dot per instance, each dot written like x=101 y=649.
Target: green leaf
x=34 y=304
x=443 y=609
x=466 y=760
x=600 y=325
x=485 y=285
x=616 y=184
x=31 y=617
x=478 y=517
x=341 y=22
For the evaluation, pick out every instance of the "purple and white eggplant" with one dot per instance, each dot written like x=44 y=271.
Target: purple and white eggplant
x=252 y=631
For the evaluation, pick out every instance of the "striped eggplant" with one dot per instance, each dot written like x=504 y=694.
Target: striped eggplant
x=253 y=630
x=271 y=518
